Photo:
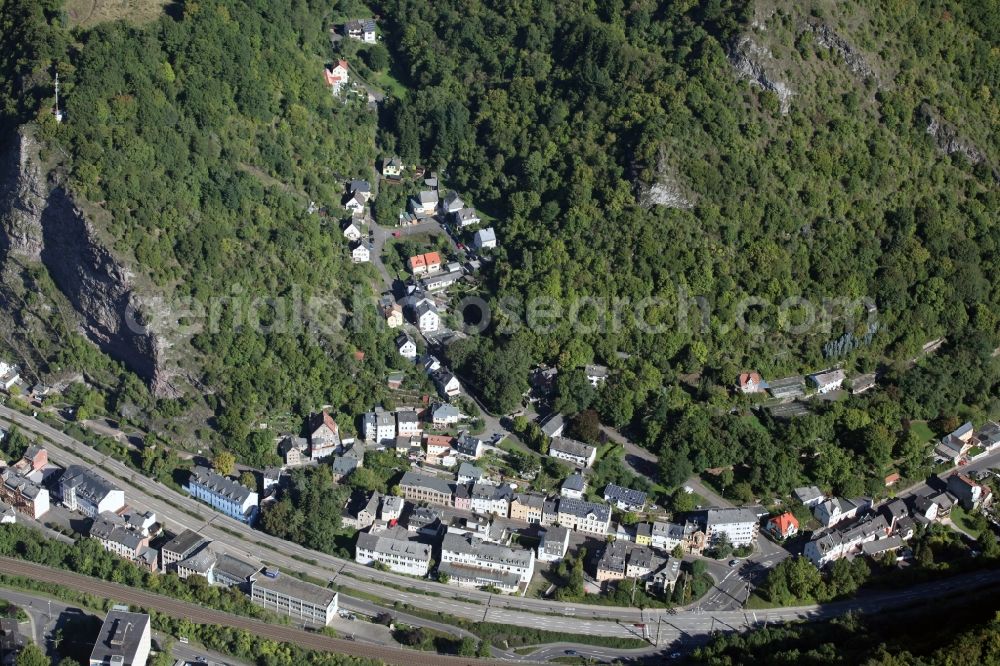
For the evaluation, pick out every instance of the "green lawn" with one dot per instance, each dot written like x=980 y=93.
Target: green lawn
x=922 y=429
x=963 y=520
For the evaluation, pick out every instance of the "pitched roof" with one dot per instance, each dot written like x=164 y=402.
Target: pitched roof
x=784 y=522
x=628 y=496
x=416 y=479
x=571 y=447
x=575 y=481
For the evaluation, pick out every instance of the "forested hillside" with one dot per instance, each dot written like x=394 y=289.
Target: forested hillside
x=196 y=144
x=627 y=156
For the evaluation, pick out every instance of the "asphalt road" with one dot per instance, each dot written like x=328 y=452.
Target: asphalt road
x=201 y=615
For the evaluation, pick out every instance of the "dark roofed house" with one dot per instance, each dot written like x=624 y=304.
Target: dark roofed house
x=626 y=499
x=125 y=639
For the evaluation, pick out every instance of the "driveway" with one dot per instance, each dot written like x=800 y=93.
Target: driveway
x=382 y=235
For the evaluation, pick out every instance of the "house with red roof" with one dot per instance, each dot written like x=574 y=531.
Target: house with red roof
x=750 y=382
x=336 y=77
x=783 y=526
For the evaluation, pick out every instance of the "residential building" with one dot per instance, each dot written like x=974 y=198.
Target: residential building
x=468 y=473
x=834 y=544
x=407 y=424
x=425 y=204
x=392 y=167
x=466 y=217
x=287 y=595
x=125 y=639
x=626 y=499
x=924 y=509
x=117 y=537
x=392 y=508
x=527 y=507
x=574 y=486
x=663 y=579
x=423 y=264
x=611 y=565
x=425 y=520
x=223 y=494
x=8 y=516
x=644 y=534
x=352 y=231
x=461 y=497
x=355 y=203
x=956 y=444
x=970 y=494
x=582 y=516
x=178 y=548
x=293 y=450
x=361 y=252
x=550 y=512
x=893 y=512
x=406 y=347
x=473 y=553
x=490 y=499
x=362 y=30
x=324 y=436
x=809 y=495
x=485 y=239
x=393 y=315
x=394 y=380
x=783 y=526
x=418 y=487
x=23 y=494
x=787 y=388
x=577 y=453
x=361 y=510
x=836 y=510
x=442 y=281
x=596 y=374
x=988 y=437
x=437 y=447
x=452 y=203
x=881 y=546
x=428 y=319
x=337 y=76
x=380 y=426
x=88 y=492
x=667 y=536
x=11 y=641
x=469 y=446
x=826 y=382
x=34 y=459
x=739 y=525
x=642 y=562
x=447 y=384
x=553 y=425
x=395 y=549
x=945 y=501
x=444 y=414
x=553 y=543
x=750 y=382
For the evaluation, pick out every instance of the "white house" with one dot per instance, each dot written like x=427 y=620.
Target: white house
x=406 y=347
x=428 y=319
x=468 y=551
x=88 y=492
x=225 y=495
x=553 y=544
x=337 y=77
x=352 y=231
x=407 y=424
x=362 y=188
x=837 y=509
x=578 y=453
x=574 y=486
x=425 y=203
x=740 y=525
x=485 y=239
x=445 y=414
x=582 y=516
x=596 y=374
x=448 y=384
x=355 y=203
x=466 y=217
x=361 y=253
x=394 y=549
x=362 y=30
x=125 y=638
x=380 y=426
x=828 y=381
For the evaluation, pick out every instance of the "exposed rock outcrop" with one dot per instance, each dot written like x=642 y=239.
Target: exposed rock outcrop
x=22 y=199
x=827 y=38
x=947 y=138
x=667 y=190
x=39 y=222
x=753 y=62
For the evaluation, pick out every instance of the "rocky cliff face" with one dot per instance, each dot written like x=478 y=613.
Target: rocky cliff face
x=39 y=223
x=755 y=63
